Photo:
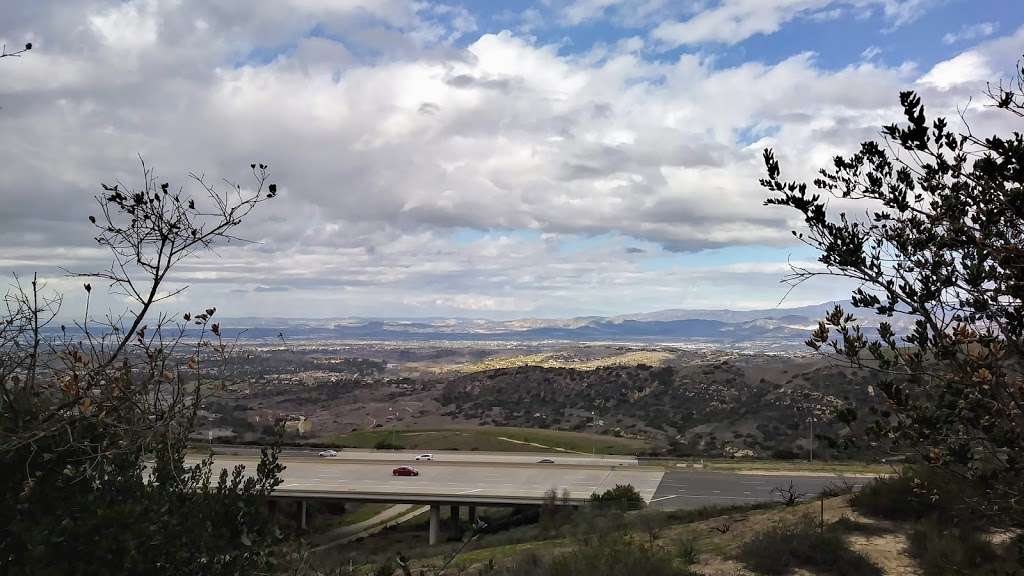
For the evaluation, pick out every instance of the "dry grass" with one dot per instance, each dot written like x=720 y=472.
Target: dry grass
x=494 y=439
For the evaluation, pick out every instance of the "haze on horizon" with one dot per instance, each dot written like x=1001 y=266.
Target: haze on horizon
x=537 y=159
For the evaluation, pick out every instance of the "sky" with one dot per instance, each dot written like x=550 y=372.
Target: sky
x=545 y=158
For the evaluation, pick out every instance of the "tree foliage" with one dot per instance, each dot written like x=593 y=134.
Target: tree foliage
x=940 y=242
x=95 y=417
x=622 y=497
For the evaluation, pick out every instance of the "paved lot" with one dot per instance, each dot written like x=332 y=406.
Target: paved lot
x=696 y=489
x=455 y=479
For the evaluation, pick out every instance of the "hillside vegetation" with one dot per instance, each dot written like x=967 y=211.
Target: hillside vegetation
x=748 y=406
x=565 y=360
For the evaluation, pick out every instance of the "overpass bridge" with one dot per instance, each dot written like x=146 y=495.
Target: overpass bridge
x=456 y=479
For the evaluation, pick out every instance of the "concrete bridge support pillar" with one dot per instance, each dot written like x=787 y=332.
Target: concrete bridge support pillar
x=472 y=515
x=303 y=517
x=435 y=523
x=453 y=520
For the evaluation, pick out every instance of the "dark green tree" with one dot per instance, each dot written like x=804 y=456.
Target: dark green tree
x=622 y=497
x=95 y=417
x=940 y=242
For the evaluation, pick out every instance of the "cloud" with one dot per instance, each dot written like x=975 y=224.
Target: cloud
x=975 y=66
x=870 y=53
x=971 y=32
x=733 y=21
x=396 y=132
x=625 y=13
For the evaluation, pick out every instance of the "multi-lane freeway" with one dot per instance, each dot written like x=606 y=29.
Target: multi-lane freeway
x=511 y=478
x=450 y=456
x=698 y=488
x=503 y=478
x=454 y=480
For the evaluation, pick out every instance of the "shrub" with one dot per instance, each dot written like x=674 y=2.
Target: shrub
x=801 y=545
x=943 y=549
x=622 y=497
x=840 y=487
x=893 y=498
x=387 y=444
x=687 y=552
x=920 y=491
x=607 y=556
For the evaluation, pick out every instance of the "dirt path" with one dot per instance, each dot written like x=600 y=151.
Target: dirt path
x=539 y=445
x=390 y=517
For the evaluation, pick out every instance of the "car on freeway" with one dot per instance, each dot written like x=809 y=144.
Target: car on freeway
x=545 y=461
x=328 y=453
x=405 y=471
x=427 y=457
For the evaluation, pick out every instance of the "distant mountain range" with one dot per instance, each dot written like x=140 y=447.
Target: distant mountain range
x=776 y=326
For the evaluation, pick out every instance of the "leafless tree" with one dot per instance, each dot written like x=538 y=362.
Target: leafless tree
x=790 y=495
x=128 y=364
x=17 y=53
x=82 y=405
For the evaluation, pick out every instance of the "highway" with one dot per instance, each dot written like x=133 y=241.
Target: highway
x=501 y=479
x=365 y=455
x=444 y=480
x=516 y=477
x=683 y=489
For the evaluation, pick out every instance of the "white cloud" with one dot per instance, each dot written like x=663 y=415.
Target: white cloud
x=970 y=69
x=733 y=21
x=390 y=144
x=628 y=13
x=971 y=32
x=582 y=10
x=965 y=68
x=870 y=53
x=130 y=26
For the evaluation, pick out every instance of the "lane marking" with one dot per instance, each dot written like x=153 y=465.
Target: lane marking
x=721 y=497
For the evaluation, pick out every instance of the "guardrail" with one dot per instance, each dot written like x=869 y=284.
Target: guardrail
x=425 y=498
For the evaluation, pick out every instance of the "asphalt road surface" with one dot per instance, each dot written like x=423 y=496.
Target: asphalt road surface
x=517 y=476
x=695 y=489
x=454 y=479
x=409 y=456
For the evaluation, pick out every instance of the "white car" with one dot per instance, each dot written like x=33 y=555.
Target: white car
x=328 y=454
x=425 y=457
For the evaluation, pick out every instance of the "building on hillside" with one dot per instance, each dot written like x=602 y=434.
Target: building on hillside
x=299 y=424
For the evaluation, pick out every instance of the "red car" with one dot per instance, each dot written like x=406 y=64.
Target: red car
x=405 y=471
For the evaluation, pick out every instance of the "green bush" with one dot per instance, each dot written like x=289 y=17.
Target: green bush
x=784 y=454
x=622 y=497
x=386 y=444
x=801 y=545
x=687 y=552
x=898 y=497
x=942 y=549
x=918 y=492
